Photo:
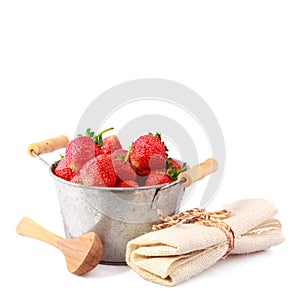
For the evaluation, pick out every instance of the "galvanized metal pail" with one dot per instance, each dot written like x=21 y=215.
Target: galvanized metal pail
x=117 y=215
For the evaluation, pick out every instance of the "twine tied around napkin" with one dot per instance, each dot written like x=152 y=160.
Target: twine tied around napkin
x=175 y=251
x=202 y=217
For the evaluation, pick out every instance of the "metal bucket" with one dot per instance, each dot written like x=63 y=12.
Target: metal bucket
x=117 y=215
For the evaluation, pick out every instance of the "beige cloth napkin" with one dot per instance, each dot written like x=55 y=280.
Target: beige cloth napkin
x=175 y=254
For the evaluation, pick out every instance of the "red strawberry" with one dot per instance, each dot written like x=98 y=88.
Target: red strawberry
x=111 y=144
x=157 y=177
x=171 y=163
x=79 y=151
x=122 y=167
x=83 y=148
x=148 y=153
x=62 y=170
x=99 y=171
x=127 y=184
x=173 y=168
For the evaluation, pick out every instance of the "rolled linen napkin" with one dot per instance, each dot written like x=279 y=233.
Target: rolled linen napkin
x=172 y=255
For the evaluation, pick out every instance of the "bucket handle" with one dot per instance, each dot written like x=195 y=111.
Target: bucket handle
x=47 y=146
x=197 y=172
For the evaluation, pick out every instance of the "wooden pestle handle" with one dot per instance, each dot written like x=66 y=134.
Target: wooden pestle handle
x=49 y=145
x=29 y=228
x=198 y=172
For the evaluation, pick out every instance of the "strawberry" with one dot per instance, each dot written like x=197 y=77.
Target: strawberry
x=76 y=179
x=111 y=144
x=157 y=177
x=173 y=168
x=83 y=148
x=124 y=170
x=79 y=151
x=63 y=170
x=127 y=184
x=99 y=171
x=148 y=153
x=171 y=163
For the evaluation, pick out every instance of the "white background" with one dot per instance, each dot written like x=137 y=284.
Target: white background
x=241 y=57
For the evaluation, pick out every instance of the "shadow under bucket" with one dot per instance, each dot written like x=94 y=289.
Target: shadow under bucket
x=117 y=215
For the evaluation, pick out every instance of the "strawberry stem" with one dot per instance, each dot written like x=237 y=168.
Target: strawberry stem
x=97 y=138
x=128 y=153
x=102 y=132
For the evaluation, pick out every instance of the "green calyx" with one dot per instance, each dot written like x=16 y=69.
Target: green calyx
x=157 y=134
x=97 y=138
x=173 y=172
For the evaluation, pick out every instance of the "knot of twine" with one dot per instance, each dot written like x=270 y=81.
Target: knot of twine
x=202 y=217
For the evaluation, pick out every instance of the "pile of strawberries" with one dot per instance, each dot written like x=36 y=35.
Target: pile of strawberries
x=97 y=161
